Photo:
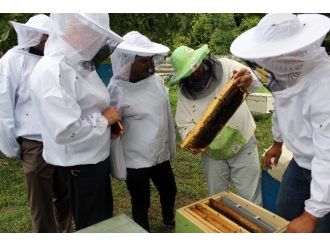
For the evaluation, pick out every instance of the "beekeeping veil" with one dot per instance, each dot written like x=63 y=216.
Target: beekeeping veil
x=30 y=33
x=135 y=44
x=288 y=45
x=79 y=37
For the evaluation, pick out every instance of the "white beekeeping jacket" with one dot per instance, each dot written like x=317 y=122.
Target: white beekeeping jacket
x=149 y=131
x=17 y=114
x=307 y=134
x=70 y=98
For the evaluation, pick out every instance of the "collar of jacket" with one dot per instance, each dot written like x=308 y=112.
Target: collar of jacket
x=213 y=82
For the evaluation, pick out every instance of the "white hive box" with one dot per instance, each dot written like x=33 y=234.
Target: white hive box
x=260 y=102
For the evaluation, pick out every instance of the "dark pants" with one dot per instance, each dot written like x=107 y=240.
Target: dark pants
x=138 y=184
x=47 y=193
x=90 y=192
x=294 y=190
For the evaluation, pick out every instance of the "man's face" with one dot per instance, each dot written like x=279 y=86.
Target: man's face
x=140 y=67
x=41 y=46
x=198 y=74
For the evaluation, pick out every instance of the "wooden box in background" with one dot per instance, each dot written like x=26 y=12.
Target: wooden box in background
x=260 y=102
x=202 y=217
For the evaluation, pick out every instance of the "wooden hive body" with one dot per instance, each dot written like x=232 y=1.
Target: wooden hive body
x=202 y=217
x=217 y=114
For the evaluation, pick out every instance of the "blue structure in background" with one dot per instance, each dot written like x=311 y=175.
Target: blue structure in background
x=269 y=188
x=105 y=73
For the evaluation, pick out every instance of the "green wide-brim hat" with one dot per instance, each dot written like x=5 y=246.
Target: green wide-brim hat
x=186 y=60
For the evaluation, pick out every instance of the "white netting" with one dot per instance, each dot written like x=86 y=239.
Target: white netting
x=79 y=36
x=288 y=68
x=30 y=33
x=134 y=45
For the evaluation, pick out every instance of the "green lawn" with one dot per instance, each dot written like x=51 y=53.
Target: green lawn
x=14 y=212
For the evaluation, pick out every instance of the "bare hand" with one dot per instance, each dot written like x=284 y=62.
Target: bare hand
x=117 y=130
x=272 y=155
x=111 y=114
x=242 y=78
x=304 y=223
x=195 y=150
x=115 y=136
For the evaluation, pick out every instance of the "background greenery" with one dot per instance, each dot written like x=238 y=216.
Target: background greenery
x=218 y=30
x=191 y=29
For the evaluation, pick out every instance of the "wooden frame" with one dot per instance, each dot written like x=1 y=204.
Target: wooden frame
x=186 y=216
x=217 y=114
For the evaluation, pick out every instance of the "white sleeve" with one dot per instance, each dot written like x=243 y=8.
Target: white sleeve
x=319 y=202
x=183 y=118
x=115 y=95
x=9 y=81
x=64 y=121
x=171 y=128
x=277 y=136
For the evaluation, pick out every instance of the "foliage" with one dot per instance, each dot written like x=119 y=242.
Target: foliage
x=173 y=30
x=7 y=33
x=193 y=30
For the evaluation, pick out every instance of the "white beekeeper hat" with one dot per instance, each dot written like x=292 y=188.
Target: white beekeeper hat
x=278 y=34
x=100 y=23
x=29 y=33
x=40 y=23
x=138 y=44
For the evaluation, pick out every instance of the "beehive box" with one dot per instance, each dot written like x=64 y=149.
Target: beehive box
x=260 y=102
x=205 y=216
x=216 y=115
x=118 y=224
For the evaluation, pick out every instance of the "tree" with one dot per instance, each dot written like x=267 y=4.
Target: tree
x=172 y=30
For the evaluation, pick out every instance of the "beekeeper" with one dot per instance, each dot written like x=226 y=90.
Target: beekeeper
x=75 y=116
x=232 y=157
x=20 y=135
x=296 y=69
x=149 y=133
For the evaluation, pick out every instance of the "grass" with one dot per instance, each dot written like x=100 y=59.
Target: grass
x=14 y=211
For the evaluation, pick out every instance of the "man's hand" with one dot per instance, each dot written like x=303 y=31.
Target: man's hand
x=242 y=78
x=272 y=155
x=304 y=223
x=111 y=114
x=195 y=150
x=117 y=130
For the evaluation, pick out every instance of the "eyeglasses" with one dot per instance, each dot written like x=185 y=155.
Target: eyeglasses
x=266 y=77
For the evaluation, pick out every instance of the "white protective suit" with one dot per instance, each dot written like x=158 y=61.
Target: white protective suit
x=70 y=98
x=307 y=134
x=144 y=105
x=17 y=114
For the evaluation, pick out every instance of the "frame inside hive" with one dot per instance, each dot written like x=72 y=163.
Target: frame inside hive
x=209 y=220
x=217 y=114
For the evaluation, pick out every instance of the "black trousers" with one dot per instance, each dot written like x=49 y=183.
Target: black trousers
x=90 y=192
x=138 y=184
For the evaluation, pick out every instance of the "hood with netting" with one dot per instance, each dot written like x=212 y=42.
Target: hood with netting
x=135 y=44
x=79 y=37
x=29 y=34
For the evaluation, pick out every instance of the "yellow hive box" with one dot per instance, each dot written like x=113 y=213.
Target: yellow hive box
x=202 y=217
x=217 y=114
